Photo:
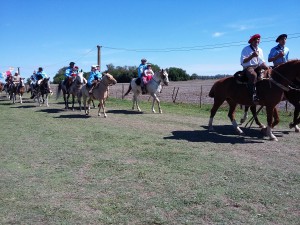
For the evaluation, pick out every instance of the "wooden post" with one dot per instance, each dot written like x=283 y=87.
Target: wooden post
x=19 y=71
x=99 y=56
x=122 y=91
x=201 y=97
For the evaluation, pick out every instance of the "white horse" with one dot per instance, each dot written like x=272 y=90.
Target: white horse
x=153 y=87
x=100 y=93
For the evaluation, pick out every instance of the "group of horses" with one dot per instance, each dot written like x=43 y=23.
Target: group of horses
x=283 y=83
x=77 y=88
x=14 y=89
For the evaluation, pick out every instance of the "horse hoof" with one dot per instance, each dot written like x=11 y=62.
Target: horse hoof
x=273 y=139
x=242 y=121
x=291 y=125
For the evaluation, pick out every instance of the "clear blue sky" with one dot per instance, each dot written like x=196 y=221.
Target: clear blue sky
x=202 y=37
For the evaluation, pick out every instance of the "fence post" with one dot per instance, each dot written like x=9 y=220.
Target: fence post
x=201 y=97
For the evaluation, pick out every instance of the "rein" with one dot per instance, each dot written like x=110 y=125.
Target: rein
x=158 y=82
x=279 y=84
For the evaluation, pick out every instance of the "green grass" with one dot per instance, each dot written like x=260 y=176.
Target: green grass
x=60 y=167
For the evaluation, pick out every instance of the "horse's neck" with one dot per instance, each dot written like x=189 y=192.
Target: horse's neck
x=156 y=79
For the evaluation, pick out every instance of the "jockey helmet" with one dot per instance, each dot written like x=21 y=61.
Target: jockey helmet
x=143 y=60
x=71 y=63
x=149 y=64
x=40 y=69
x=252 y=38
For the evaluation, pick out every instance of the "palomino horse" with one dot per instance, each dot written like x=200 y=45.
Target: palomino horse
x=75 y=85
x=42 y=92
x=153 y=88
x=100 y=93
x=269 y=91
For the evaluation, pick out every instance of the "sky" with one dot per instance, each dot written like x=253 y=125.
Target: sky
x=201 y=37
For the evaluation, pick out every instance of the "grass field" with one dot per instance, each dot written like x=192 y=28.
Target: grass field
x=62 y=167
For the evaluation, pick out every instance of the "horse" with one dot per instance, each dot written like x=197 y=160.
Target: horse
x=21 y=89
x=1 y=87
x=12 y=91
x=153 y=88
x=100 y=93
x=75 y=85
x=269 y=91
x=42 y=91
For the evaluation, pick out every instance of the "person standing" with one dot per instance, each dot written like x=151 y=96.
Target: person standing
x=280 y=53
x=252 y=60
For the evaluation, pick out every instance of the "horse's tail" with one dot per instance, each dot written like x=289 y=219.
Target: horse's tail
x=129 y=89
x=58 y=90
x=212 y=91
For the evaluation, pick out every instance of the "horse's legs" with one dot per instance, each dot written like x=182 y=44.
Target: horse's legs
x=73 y=102
x=231 y=115
x=84 y=105
x=102 y=105
x=214 y=109
x=245 y=116
x=254 y=114
x=135 y=102
x=275 y=117
x=296 y=119
x=155 y=98
x=270 y=111
x=21 y=102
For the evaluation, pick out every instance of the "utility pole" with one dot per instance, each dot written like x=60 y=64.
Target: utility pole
x=99 y=56
x=19 y=70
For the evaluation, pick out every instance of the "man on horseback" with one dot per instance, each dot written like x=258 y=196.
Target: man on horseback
x=279 y=54
x=16 y=79
x=68 y=74
x=93 y=79
x=39 y=77
x=142 y=67
x=253 y=62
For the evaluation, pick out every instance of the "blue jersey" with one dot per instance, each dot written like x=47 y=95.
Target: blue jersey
x=94 y=75
x=68 y=72
x=40 y=75
x=275 y=51
x=141 y=69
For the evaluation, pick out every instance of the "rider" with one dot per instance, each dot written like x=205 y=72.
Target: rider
x=279 y=54
x=16 y=79
x=94 y=77
x=253 y=62
x=147 y=76
x=68 y=73
x=141 y=70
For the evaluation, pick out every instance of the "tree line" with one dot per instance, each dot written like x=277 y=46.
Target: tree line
x=124 y=74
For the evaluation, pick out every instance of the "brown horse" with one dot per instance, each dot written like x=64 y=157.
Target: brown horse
x=269 y=91
x=100 y=93
x=1 y=87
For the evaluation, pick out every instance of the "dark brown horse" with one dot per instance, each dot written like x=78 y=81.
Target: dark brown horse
x=269 y=91
x=1 y=87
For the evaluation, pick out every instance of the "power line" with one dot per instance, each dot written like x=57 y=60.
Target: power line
x=198 y=48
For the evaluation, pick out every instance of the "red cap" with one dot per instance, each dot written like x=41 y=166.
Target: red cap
x=252 y=38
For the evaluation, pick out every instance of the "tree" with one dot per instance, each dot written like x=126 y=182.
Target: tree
x=177 y=74
x=60 y=75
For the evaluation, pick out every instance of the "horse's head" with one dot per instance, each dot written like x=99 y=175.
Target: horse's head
x=45 y=85
x=79 y=78
x=164 y=77
x=287 y=73
x=108 y=79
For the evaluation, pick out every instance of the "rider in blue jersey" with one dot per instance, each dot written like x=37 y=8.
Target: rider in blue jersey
x=94 y=77
x=68 y=73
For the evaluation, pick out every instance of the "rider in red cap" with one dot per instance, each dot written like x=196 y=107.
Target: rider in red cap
x=252 y=60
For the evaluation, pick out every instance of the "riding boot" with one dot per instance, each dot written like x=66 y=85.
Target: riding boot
x=91 y=90
x=252 y=93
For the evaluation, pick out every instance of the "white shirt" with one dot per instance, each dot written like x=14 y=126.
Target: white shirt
x=255 y=61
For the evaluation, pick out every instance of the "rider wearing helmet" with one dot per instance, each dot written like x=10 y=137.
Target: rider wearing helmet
x=94 y=78
x=68 y=73
x=142 y=67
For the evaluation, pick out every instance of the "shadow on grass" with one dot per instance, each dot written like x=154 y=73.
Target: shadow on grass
x=222 y=134
x=50 y=110
x=73 y=116
x=128 y=112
